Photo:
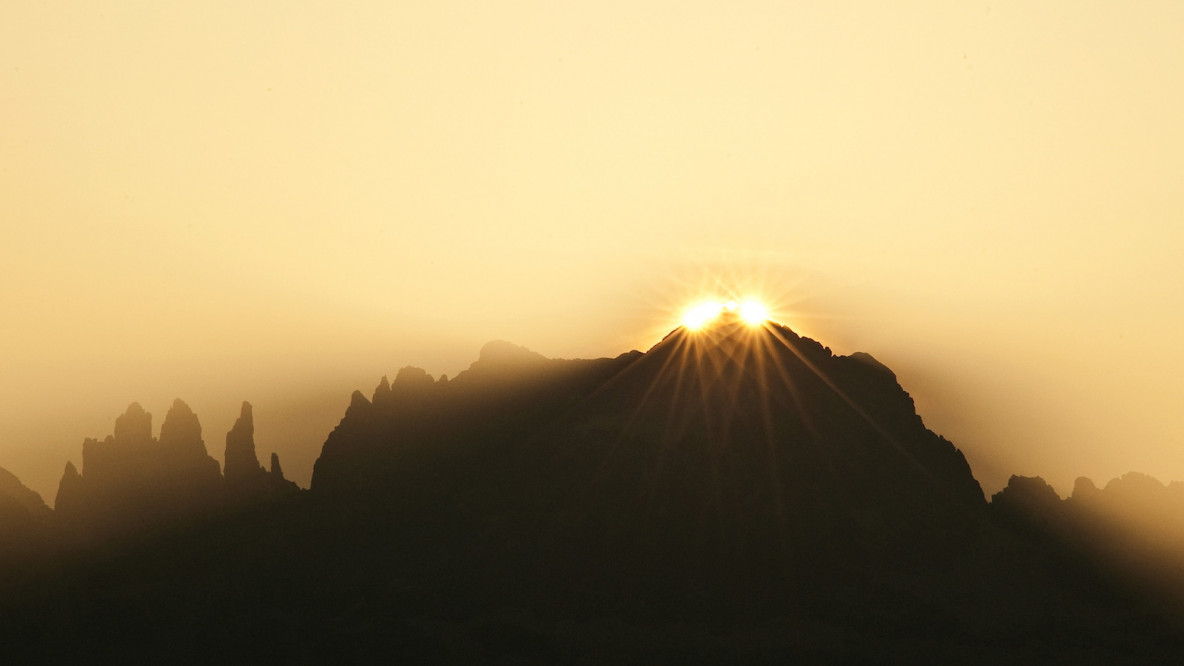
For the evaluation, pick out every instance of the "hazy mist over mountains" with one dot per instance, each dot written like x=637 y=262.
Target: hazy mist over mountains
x=221 y=203
x=737 y=492
x=252 y=256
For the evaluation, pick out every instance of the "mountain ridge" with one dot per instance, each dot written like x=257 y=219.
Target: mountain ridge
x=741 y=491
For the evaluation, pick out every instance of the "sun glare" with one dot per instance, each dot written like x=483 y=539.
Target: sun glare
x=750 y=312
x=753 y=313
x=701 y=314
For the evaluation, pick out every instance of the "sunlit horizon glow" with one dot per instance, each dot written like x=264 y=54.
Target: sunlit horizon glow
x=698 y=316
x=750 y=311
x=753 y=313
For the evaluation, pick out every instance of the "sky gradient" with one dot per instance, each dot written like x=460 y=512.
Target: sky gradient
x=282 y=202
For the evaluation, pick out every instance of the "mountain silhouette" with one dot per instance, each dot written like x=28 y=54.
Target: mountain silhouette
x=727 y=476
x=245 y=477
x=15 y=494
x=1132 y=529
x=241 y=464
x=737 y=462
x=736 y=493
x=131 y=480
x=20 y=507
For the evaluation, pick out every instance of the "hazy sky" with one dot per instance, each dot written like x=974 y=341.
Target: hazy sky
x=281 y=202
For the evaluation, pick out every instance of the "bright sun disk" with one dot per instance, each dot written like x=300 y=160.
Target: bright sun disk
x=699 y=315
x=753 y=313
x=750 y=312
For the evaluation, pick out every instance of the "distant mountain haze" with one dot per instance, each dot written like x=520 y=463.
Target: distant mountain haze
x=739 y=490
x=20 y=507
x=131 y=480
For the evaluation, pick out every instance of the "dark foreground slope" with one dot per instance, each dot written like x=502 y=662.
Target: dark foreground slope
x=734 y=494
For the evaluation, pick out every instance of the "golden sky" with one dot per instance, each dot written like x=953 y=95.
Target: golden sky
x=280 y=202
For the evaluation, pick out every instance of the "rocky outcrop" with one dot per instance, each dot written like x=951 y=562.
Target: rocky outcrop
x=1084 y=490
x=1027 y=493
x=245 y=477
x=411 y=380
x=240 y=462
x=180 y=439
x=382 y=393
x=1030 y=505
x=506 y=356
x=134 y=426
x=71 y=495
x=131 y=441
x=130 y=479
x=276 y=481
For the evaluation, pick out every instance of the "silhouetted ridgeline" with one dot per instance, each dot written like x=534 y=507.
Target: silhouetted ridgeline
x=130 y=480
x=24 y=517
x=733 y=494
x=1132 y=529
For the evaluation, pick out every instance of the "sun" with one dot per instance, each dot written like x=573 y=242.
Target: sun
x=749 y=311
x=753 y=313
x=700 y=315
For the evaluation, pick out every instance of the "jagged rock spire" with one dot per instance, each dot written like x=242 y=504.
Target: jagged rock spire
x=382 y=393
x=240 y=459
x=276 y=471
x=180 y=434
x=70 y=491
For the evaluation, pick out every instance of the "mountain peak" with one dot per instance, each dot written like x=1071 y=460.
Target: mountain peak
x=501 y=352
x=382 y=392
x=782 y=414
x=239 y=460
x=411 y=378
x=180 y=432
x=871 y=362
x=134 y=426
x=358 y=405
x=500 y=359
